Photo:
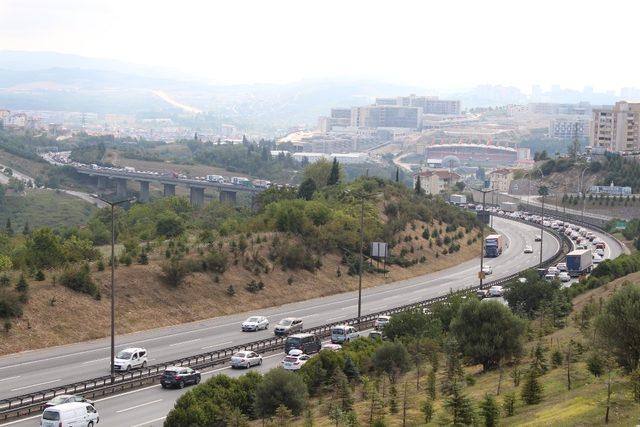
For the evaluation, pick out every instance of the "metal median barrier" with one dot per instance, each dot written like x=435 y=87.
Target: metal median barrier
x=96 y=387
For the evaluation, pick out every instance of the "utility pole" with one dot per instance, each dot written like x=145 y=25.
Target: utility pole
x=113 y=204
x=543 y=192
x=484 y=192
x=361 y=261
x=581 y=193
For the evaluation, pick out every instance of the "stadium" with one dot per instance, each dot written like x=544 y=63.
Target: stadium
x=472 y=155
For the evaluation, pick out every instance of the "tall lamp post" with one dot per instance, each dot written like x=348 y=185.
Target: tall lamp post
x=113 y=204
x=484 y=192
x=543 y=191
x=582 y=193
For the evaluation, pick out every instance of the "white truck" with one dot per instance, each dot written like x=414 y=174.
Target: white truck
x=129 y=169
x=579 y=262
x=215 y=178
x=508 y=207
x=458 y=199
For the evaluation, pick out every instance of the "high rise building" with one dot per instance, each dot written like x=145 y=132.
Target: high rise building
x=428 y=104
x=385 y=116
x=566 y=128
x=617 y=128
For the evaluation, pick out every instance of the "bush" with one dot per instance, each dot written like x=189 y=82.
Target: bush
x=39 y=276
x=531 y=389
x=174 y=271
x=391 y=358
x=595 y=364
x=254 y=287
x=217 y=262
x=280 y=387
x=100 y=265
x=79 y=279
x=10 y=304
x=143 y=258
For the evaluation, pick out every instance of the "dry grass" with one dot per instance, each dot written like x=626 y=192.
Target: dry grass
x=142 y=296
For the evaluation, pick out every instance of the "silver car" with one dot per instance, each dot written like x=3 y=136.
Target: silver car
x=287 y=326
x=246 y=359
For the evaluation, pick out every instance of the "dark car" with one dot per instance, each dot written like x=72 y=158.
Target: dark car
x=66 y=398
x=178 y=376
x=308 y=343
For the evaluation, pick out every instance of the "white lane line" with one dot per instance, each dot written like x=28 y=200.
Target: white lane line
x=149 y=422
x=139 y=406
x=51 y=358
x=184 y=342
x=20 y=420
x=129 y=392
x=10 y=378
x=215 y=345
x=35 y=385
x=94 y=361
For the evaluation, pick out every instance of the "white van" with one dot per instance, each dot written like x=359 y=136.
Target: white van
x=74 y=414
x=343 y=333
x=130 y=358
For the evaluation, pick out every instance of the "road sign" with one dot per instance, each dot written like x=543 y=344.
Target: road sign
x=379 y=249
x=481 y=275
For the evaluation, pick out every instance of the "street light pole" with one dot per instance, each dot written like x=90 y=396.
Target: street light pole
x=113 y=283
x=361 y=261
x=542 y=228
x=582 y=193
x=484 y=211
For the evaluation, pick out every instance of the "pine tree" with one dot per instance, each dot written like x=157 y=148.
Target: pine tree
x=397 y=174
x=453 y=365
x=531 y=389
x=393 y=398
x=418 y=187
x=431 y=384
x=539 y=361
x=490 y=411
x=334 y=175
x=22 y=287
x=428 y=410
x=26 y=231
x=351 y=369
x=342 y=391
x=509 y=404
x=460 y=407
x=283 y=416
x=8 y=228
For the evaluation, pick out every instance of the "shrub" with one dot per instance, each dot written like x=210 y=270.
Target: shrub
x=143 y=258
x=39 y=276
x=100 y=265
x=217 y=262
x=280 y=387
x=174 y=271
x=231 y=291
x=391 y=358
x=79 y=279
x=254 y=287
x=10 y=304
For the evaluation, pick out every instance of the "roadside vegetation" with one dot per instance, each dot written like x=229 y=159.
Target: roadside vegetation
x=553 y=357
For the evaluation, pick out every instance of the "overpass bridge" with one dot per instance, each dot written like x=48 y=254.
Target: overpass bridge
x=121 y=178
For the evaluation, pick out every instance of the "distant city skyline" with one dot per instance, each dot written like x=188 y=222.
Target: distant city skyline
x=443 y=46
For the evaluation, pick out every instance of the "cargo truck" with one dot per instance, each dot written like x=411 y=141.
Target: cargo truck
x=493 y=244
x=458 y=199
x=579 y=262
x=508 y=207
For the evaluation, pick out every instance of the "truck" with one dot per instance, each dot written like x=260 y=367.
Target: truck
x=215 y=178
x=129 y=169
x=508 y=206
x=579 y=262
x=458 y=199
x=493 y=245
x=237 y=180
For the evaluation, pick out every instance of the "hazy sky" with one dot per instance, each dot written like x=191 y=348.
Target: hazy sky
x=436 y=44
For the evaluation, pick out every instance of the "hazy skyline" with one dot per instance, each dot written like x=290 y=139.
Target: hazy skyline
x=427 y=44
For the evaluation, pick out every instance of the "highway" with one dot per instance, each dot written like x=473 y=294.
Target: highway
x=37 y=370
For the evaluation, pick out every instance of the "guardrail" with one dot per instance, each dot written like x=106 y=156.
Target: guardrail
x=34 y=402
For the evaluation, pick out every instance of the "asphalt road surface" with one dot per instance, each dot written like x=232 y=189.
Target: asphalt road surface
x=37 y=370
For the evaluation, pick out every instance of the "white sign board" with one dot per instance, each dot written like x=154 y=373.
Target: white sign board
x=379 y=249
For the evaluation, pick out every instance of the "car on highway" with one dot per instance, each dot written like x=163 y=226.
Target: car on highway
x=538 y=237
x=179 y=376
x=308 y=343
x=528 y=249
x=487 y=270
x=343 y=333
x=482 y=293
x=599 y=251
x=294 y=360
x=381 y=321
x=496 y=291
x=287 y=326
x=564 y=276
x=331 y=347
x=246 y=359
x=597 y=259
x=66 y=398
x=553 y=270
x=550 y=276
x=255 y=323
x=70 y=414
x=375 y=335
x=130 y=358
x=561 y=266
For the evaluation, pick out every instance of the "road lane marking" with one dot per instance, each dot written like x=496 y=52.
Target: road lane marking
x=94 y=361
x=129 y=392
x=139 y=406
x=149 y=422
x=184 y=342
x=10 y=378
x=216 y=345
x=20 y=420
x=35 y=385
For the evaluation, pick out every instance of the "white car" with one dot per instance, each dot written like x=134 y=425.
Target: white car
x=561 y=266
x=528 y=249
x=496 y=291
x=564 y=276
x=600 y=252
x=331 y=347
x=294 y=360
x=255 y=323
x=550 y=276
x=553 y=270
x=246 y=359
x=130 y=358
x=381 y=321
x=487 y=270
x=538 y=238
x=597 y=259
x=343 y=333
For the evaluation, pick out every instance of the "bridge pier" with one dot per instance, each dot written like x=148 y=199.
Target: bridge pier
x=103 y=182
x=144 y=191
x=169 y=190
x=196 y=195
x=121 y=187
x=228 y=197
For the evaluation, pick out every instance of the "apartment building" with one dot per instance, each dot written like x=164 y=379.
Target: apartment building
x=616 y=128
x=500 y=180
x=436 y=181
x=428 y=104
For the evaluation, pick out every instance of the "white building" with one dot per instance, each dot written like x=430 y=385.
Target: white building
x=616 y=128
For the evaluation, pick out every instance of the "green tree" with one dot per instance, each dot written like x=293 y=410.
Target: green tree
x=174 y=271
x=5 y=263
x=318 y=172
x=10 y=304
x=412 y=323
x=618 y=324
x=307 y=189
x=22 y=287
x=334 y=174
x=44 y=249
x=391 y=358
x=7 y=228
x=488 y=332
x=509 y=404
x=460 y=407
x=428 y=410
x=531 y=389
x=417 y=188
x=431 y=384
x=26 y=230
x=490 y=410
x=397 y=174
x=280 y=387
x=169 y=225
